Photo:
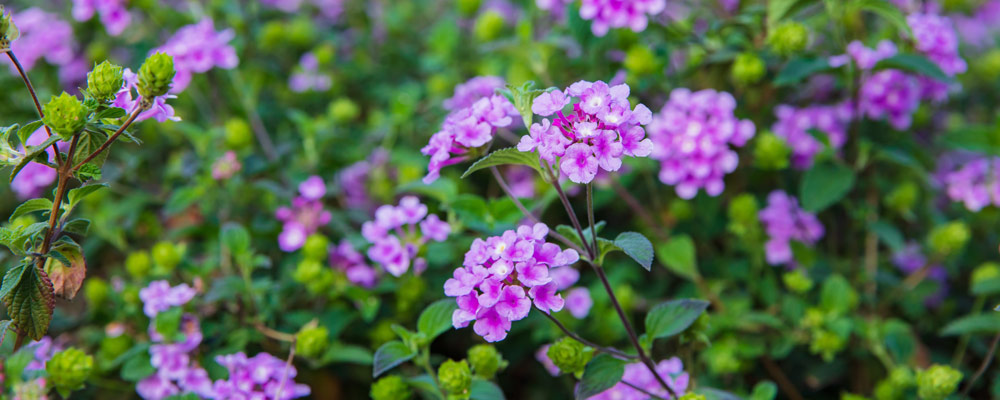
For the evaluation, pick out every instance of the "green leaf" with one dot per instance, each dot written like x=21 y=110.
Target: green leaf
x=436 y=318
x=799 y=69
x=347 y=353
x=236 y=238
x=636 y=245
x=76 y=195
x=389 y=355
x=25 y=132
x=778 y=10
x=137 y=368
x=914 y=63
x=112 y=112
x=482 y=389
x=673 y=317
x=29 y=299
x=78 y=226
x=980 y=139
x=679 y=256
x=600 y=374
x=31 y=206
x=986 y=287
x=888 y=234
x=4 y=327
x=508 y=156
x=31 y=152
x=975 y=324
x=426 y=386
x=825 y=184
x=570 y=233
x=885 y=10
x=89 y=142
x=765 y=390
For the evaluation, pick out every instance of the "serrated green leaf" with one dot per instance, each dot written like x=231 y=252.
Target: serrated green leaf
x=673 y=317
x=825 y=184
x=974 y=324
x=637 y=246
x=799 y=69
x=78 y=226
x=389 y=355
x=25 y=132
x=112 y=112
x=89 y=142
x=600 y=374
x=30 y=301
x=30 y=153
x=31 y=206
x=678 y=255
x=508 y=156
x=436 y=318
x=914 y=63
x=4 y=327
x=76 y=195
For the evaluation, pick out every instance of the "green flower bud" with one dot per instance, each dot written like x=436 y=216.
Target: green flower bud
x=987 y=66
x=238 y=133
x=488 y=26
x=771 y=152
x=301 y=32
x=569 y=355
x=391 y=387
x=949 y=238
x=985 y=272
x=797 y=281
x=640 y=60
x=155 y=76
x=903 y=197
x=344 y=110
x=455 y=378
x=826 y=343
x=742 y=212
x=314 y=275
x=68 y=369
x=104 y=82
x=693 y=396
x=138 y=264
x=486 y=360
x=89 y=171
x=789 y=38
x=166 y=256
x=317 y=247
x=111 y=348
x=312 y=340
x=8 y=32
x=937 y=382
x=468 y=8
x=814 y=318
x=65 y=115
x=96 y=291
x=747 y=69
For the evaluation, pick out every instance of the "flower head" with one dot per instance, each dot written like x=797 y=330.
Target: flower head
x=785 y=221
x=399 y=232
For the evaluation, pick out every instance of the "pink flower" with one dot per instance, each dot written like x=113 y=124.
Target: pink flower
x=549 y=103
x=579 y=163
x=578 y=302
x=546 y=298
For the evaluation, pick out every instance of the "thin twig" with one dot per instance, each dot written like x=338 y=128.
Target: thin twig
x=107 y=143
x=609 y=350
x=528 y=214
x=644 y=391
x=982 y=367
x=273 y=334
x=288 y=366
x=590 y=219
x=34 y=97
x=781 y=379
x=572 y=217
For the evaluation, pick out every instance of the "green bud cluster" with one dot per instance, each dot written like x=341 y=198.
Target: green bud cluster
x=68 y=369
x=155 y=76
x=789 y=39
x=455 y=378
x=797 y=281
x=65 y=115
x=314 y=275
x=747 y=69
x=312 y=340
x=771 y=152
x=317 y=247
x=104 y=82
x=167 y=256
x=486 y=360
x=903 y=197
x=895 y=386
x=96 y=291
x=937 y=382
x=569 y=355
x=238 y=133
x=488 y=26
x=640 y=60
x=344 y=110
x=468 y=7
x=949 y=238
x=138 y=264
x=409 y=292
x=826 y=343
x=985 y=272
x=742 y=212
x=391 y=387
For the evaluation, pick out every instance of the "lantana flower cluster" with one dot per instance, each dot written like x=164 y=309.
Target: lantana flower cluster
x=502 y=276
x=345 y=258
x=398 y=233
x=198 y=48
x=305 y=216
x=692 y=136
x=935 y=36
x=607 y=14
x=601 y=129
x=783 y=222
x=257 y=377
x=113 y=14
x=888 y=94
x=974 y=182
x=328 y=9
x=979 y=29
x=353 y=180
x=469 y=126
x=793 y=125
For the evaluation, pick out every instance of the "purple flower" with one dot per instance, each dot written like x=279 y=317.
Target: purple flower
x=160 y=110
x=542 y=355
x=793 y=126
x=472 y=90
x=156 y=387
x=305 y=216
x=578 y=302
x=159 y=296
x=936 y=38
x=258 y=377
x=35 y=177
x=198 y=48
x=114 y=15
x=313 y=188
x=353 y=179
x=44 y=35
x=606 y=14
x=911 y=259
x=973 y=182
x=672 y=371
x=307 y=76
x=399 y=232
x=549 y=103
x=169 y=360
x=890 y=94
x=579 y=163
x=692 y=136
x=489 y=292
x=784 y=221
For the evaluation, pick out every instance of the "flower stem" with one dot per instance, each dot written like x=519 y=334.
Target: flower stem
x=590 y=218
x=572 y=218
x=34 y=97
x=107 y=143
x=609 y=350
x=982 y=367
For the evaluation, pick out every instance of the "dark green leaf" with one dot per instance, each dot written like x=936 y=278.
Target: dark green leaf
x=425 y=385
x=4 y=327
x=76 y=195
x=885 y=10
x=679 y=256
x=389 y=355
x=25 y=132
x=974 y=324
x=914 y=63
x=799 y=69
x=436 y=318
x=111 y=112
x=137 y=368
x=89 y=142
x=78 y=226
x=31 y=152
x=825 y=184
x=980 y=139
x=673 y=317
x=888 y=234
x=508 y=156
x=636 y=246
x=986 y=287
x=236 y=238
x=31 y=206
x=348 y=353
x=778 y=10
x=600 y=374
x=482 y=389
x=29 y=299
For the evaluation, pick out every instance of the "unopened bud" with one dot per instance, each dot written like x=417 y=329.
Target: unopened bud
x=65 y=115
x=789 y=38
x=486 y=360
x=104 y=82
x=937 y=382
x=569 y=355
x=155 y=76
x=747 y=69
x=455 y=377
x=312 y=340
x=68 y=369
x=391 y=387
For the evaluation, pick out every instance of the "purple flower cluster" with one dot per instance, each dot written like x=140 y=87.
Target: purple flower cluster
x=501 y=277
x=160 y=110
x=308 y=77
x=305 y=216
x=671 y=370
x=343 y=257
x=911 y=259
x=979 y=29
x=328 y=9
x=354 y=178
x=468 y=126
x=793 y=125
x=175 y=372
x=935 y=37
x=159 y=296
x=396 y=239
x=863 y=56
x=198 y=48
x=974 y=182
x=44 y=35
x=42 y=351
x=113 y=14
x=692 y=135
x=892 y=95
x=785 y=221
x=468 y=93
x=607 y=14
x=601 y=129
x=262 y=376
x=578 y=301
x=35 y=177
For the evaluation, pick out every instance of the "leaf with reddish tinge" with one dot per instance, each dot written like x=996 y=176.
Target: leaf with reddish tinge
x=67 y=278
